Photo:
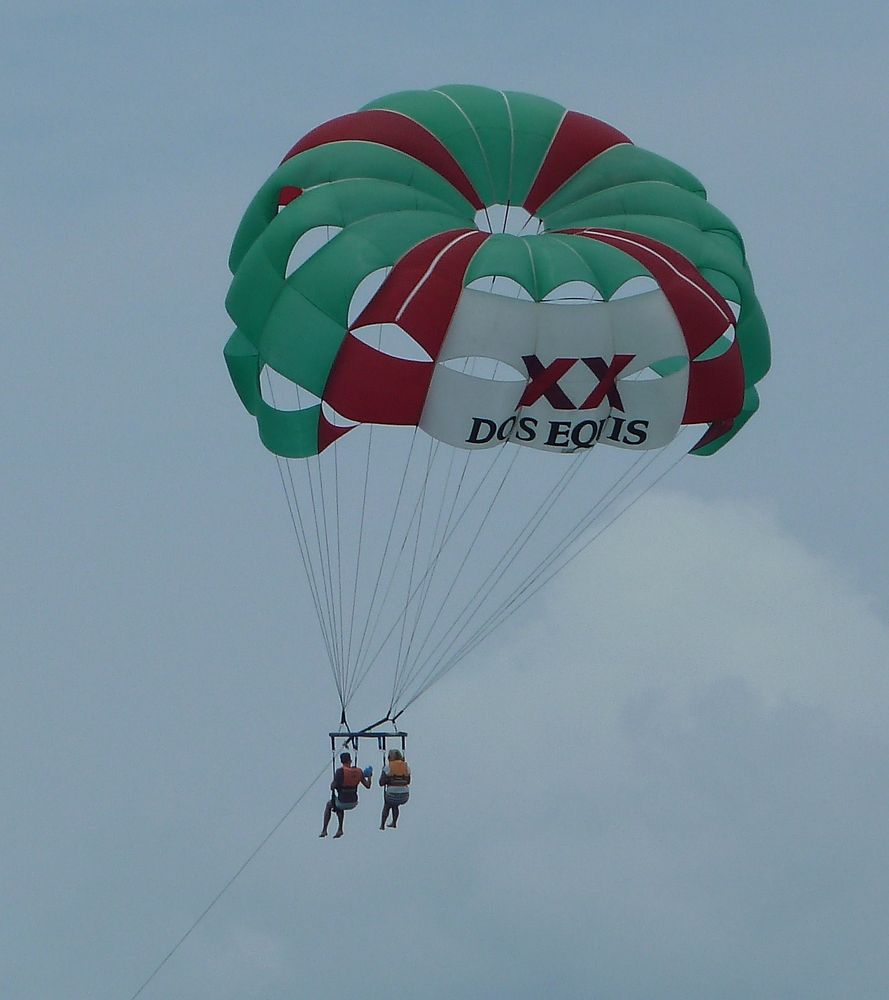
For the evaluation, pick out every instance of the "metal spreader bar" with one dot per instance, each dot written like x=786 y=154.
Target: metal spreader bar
x=352 y=738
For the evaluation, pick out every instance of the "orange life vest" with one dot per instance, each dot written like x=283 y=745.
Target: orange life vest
x=398 y=772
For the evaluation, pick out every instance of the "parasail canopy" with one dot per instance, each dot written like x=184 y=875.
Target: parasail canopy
x=456 y=309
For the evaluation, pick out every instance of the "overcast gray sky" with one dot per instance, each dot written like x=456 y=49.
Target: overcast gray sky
x=667 y=780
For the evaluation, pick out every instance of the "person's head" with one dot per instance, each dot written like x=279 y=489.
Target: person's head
x=345 y=758
x=396 y=755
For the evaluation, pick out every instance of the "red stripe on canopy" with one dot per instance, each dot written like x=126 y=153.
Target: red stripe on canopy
x=420 y=296
x=375 y=388
x=421 y=293
x=389 y=128
x=716 y=387
x=715 y=432
x=578 y=140
x=701 y=311
x=328 y=432
x=287 y=195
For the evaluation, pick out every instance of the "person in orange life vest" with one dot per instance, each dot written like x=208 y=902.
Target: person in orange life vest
x=395 y=779
x=344 y=787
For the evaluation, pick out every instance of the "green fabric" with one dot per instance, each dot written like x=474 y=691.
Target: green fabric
x=623 y=164
x=499 y=138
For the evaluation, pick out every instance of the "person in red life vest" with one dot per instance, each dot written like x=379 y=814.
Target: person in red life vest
x=395 y=778
x=344 y=787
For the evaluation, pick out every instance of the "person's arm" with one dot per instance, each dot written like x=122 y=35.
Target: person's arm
x=365 y=780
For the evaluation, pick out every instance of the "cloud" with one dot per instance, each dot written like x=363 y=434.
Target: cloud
x=692 y=593
x=668 y=784
x=665 y=779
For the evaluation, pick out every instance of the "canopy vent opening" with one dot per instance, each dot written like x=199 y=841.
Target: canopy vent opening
x=512 y=219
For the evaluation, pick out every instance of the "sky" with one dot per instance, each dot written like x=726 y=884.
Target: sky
x=665 y=778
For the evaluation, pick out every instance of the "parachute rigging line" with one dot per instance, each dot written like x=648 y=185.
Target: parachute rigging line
x=337 y=632
x=431 y=659
x=380 y=610
x=436 y=557
x=508 y=557
x=429 y=668
x=360 y=543
x=437 y=660
x=527 y=589
x=438 y=534
x=305 y=553
x=619 y=489
x=369 y=633
x=296 y=516
x=455 y=625
x=587 y=542
x=410 y=582
x=429 y=573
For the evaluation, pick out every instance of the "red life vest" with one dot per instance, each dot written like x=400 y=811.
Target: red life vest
x=352 y=776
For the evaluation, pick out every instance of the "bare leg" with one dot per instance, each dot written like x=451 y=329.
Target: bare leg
x=340 y=815
x=327 y=809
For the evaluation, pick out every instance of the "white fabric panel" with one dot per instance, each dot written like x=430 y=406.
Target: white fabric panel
x=651 y=416
x=660 y=401
x=490 y=326
x=472 y=412
x=455 y=398
x=645 y=325
x=493 y=326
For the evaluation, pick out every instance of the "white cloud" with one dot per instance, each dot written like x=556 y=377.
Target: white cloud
x=697 y=592
x=672 y=788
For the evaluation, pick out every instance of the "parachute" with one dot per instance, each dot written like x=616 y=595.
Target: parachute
x=473 y=326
